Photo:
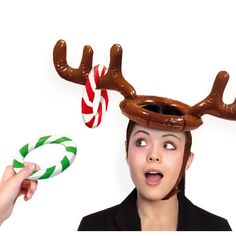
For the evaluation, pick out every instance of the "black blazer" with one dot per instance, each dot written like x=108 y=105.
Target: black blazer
x=125 y=217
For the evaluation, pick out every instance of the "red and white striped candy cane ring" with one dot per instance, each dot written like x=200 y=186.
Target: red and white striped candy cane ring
x=93 y=119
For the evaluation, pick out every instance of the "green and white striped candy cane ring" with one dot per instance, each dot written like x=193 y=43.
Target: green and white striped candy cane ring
x=70 y=147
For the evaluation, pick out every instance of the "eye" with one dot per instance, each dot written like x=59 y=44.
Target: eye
x=169 y=146
x=140 y=142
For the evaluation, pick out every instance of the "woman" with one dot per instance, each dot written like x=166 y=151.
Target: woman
x=154 y=204
x=157 y=160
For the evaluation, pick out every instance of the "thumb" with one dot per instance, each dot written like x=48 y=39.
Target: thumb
x=24 y=172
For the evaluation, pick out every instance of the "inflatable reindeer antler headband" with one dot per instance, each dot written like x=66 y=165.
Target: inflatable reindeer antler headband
x=133 y=105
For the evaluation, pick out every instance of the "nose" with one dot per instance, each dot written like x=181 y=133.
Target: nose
x=153 y=157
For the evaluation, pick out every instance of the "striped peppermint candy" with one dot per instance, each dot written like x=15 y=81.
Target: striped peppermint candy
x=70 y=147
x=93 y=118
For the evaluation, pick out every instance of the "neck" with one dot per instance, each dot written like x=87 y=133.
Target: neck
x=158 y=214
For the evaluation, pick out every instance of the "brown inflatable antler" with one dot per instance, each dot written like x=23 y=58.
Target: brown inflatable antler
x=213 y=104
x=133 y=106
x=113 y=79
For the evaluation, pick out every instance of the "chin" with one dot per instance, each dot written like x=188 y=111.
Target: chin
x=152 y=194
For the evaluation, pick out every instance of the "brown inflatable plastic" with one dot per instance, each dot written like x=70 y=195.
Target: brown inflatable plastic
x=132 y=105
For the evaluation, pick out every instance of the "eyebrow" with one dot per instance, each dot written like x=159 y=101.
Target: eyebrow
x=166 y=135
x=141 y=131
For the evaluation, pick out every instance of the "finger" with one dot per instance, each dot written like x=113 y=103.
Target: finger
x=24 y=187
x=27 y=183
x=8 y=173
x=28 y=196
x=37 y=167
x=33 y=186
x=24 y=173
x=30 y=190
x=28 y=186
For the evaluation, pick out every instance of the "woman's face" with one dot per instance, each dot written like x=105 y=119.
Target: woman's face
x=155 y=159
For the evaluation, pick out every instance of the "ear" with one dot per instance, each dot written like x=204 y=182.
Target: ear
x=190 y=160
x=126 y=154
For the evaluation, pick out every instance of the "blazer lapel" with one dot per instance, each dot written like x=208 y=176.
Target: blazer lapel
x=127 y=218
x=188 y=219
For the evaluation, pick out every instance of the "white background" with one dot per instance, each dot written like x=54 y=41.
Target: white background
x=170 y=48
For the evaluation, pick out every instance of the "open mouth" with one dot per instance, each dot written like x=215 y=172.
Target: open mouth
x=153 y=177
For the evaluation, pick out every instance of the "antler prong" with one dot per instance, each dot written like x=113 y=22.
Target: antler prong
x=86 y=61
x=77 y=75
x=113 y=79
x=213 y=104
x=115 y=57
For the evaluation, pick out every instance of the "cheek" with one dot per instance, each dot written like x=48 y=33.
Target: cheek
x=135 y=159
x=174 y=164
